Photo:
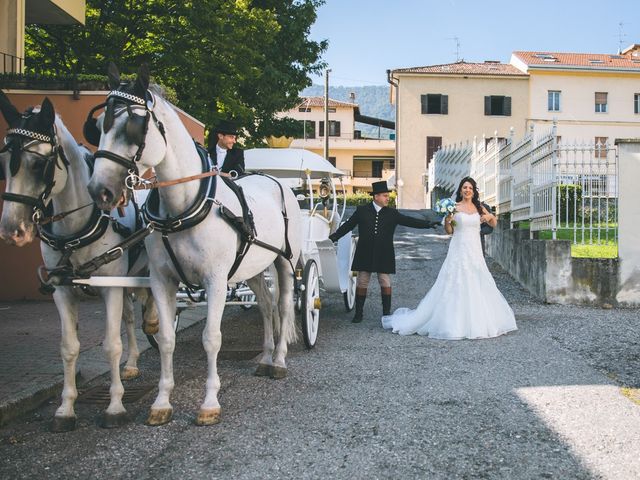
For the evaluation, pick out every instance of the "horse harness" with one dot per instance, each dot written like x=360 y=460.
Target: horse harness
x=243 y=224
x=16 y=141
x=136 y=129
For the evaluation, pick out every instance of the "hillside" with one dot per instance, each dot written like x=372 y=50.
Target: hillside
x=373 y=101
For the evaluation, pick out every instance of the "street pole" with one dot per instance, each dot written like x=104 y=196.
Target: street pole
x=326 y=113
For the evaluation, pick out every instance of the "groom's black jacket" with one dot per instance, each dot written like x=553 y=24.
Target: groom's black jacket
x=375 y=252
x=233 y=161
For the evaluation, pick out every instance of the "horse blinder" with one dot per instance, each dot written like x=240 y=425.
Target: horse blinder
x=90 y=128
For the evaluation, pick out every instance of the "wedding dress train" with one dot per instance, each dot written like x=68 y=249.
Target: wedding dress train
x=464 y=302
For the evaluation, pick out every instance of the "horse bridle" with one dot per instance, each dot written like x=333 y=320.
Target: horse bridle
x=14 y=143
x=136 y=128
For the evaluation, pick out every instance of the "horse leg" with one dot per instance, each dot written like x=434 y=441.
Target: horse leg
x=150 y=322
x=115 y=415
x=130 y=370
x=209 y=413
x=164 y=293
x=287 y=318
x=67 y=305
x=266 y=307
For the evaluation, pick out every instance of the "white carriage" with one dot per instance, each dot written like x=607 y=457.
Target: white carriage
x=322 y=266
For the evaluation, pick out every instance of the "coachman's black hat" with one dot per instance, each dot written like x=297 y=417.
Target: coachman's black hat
x=226 y=127
x=379 y=187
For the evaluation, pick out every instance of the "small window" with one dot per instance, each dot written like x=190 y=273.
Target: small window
x=497 y=105
x=601 y=102
x=304 y=109
x=553 y=101
x=636 y=103
x=434 y=103
x=308 y=128
x=334 y=128
x=601 y=147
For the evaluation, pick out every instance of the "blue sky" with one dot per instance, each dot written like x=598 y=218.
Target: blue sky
x=367 y=37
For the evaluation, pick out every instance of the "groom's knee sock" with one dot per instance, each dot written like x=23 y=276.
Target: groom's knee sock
x=361 y=296
x=385 y=293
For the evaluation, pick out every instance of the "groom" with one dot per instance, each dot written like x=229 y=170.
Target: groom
x=376 y=224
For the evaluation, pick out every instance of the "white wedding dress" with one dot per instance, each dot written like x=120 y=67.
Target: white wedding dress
x=464 y=302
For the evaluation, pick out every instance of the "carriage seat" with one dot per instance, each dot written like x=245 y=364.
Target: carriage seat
x=315 y=226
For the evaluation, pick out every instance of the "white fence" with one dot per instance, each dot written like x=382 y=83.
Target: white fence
x=569 y=188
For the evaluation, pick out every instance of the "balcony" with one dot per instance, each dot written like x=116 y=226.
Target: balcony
x=11 y=63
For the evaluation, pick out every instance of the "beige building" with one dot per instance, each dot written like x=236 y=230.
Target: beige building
x=449 y=104
x=593 y=97
x=364 y=160
x=15 y=14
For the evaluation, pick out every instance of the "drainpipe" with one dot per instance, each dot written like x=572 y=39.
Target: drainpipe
x=399 y=181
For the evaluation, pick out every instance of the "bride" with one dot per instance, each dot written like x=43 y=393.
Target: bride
x=464 y=302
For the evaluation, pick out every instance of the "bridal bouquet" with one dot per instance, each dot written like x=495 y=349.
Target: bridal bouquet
x=446 y=206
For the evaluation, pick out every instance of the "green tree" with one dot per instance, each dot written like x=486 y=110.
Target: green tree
x=242 y=59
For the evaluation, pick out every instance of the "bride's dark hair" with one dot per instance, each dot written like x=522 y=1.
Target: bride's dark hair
x=476 y=194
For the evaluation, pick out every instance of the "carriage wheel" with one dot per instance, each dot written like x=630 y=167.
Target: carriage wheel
x=350 y=295
x=176 y=322
x=310 y=303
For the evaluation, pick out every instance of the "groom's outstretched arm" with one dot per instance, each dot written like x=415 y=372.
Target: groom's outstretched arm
x=418 y=218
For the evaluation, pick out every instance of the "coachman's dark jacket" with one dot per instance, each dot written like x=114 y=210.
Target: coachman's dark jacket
x=375 y=252
x=233 y=161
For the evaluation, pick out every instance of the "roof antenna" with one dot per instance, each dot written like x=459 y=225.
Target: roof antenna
x=621 y=37
x=457 y=40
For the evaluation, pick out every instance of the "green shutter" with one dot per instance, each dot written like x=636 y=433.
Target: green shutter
x=444 y=104
x=487 y=105
x=424 y=101
x=507 y=106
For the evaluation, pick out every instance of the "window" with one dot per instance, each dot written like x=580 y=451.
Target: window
x=304 y=109
x=334 y=128
x=434 y=103
x=332 y=161
x=553 y=101
x=636 y=103
x=497 y=105
x=308 y=128
x=433 y=145
x=601 y=147
x=601 y=102
x=376 y=168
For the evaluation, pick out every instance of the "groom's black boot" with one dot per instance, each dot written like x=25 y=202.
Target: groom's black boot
x=385 y=292
x=361 y=296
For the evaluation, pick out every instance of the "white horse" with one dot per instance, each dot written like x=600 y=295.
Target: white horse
x=47 y=173
x=140 y=128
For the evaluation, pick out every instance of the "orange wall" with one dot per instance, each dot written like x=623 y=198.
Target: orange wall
x=18 y=279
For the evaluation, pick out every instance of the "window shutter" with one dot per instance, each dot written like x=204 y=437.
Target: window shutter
x=487 y=105
x=424 y=104
x=321 y=129
x=336 y=132
x=507 y=106
x=601 y=97
x=444 y=104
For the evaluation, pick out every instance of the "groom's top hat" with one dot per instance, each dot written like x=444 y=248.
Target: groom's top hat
x=379 y=187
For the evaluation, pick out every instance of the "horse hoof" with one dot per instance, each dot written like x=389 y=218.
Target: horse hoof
x=63 y=424
x=114 y=420
x=263 y=370
x=278 y=373
x=160 y=416
x=129 y=373
x=150 y=328
x=209 y=416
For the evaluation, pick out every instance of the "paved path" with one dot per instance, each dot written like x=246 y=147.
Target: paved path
x=553 y=400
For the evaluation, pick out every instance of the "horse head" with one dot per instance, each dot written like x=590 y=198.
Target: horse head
x=129 y=137
x=34 y=167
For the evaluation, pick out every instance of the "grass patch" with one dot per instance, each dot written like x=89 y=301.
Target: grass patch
x=632 y=394
x=594 y=251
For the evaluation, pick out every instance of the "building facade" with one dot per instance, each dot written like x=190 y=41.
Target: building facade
x=364 y=160
x=450 y=104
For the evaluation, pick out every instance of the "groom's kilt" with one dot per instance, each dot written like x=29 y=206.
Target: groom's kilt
x=375 y=252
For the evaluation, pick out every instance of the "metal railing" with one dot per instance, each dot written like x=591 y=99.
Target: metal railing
x=11 y=63
x=569 y=191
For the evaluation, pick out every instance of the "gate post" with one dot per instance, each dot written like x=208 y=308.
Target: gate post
x=628 y=221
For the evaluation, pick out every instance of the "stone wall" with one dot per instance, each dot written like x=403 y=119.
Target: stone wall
x=547 y=270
